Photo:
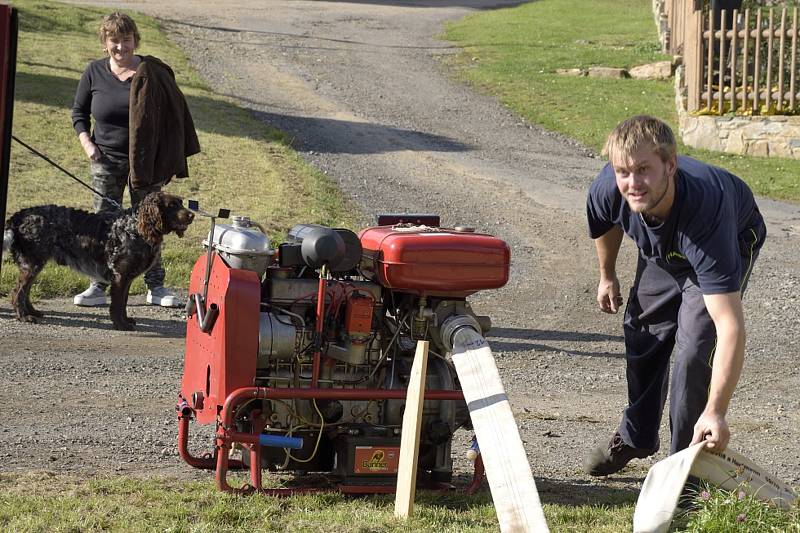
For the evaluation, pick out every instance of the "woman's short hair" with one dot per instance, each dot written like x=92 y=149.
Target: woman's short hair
x=118 y=24
x=638 y=132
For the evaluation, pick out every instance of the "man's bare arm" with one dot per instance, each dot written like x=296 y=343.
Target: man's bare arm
x=608 y=296
x=728 y=316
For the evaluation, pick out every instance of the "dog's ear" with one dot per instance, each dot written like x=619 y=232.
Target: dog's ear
x=149 y=223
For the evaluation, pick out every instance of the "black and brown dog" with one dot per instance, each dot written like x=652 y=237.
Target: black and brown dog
x=112 y=247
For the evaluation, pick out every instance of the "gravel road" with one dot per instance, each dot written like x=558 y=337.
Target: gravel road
x=363 y=90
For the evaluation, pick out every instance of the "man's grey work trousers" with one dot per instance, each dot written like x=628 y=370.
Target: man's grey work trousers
x=666 y=311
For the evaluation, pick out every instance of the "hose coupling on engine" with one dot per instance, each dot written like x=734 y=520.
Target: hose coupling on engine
x=455 y=322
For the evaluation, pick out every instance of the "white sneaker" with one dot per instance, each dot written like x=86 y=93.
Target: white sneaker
x=94 y=296
x=164 y=297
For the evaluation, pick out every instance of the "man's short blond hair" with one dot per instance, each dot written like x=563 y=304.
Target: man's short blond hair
x=639 y=132
x=118 y=24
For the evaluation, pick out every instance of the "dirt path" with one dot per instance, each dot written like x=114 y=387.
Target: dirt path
x=362 y=89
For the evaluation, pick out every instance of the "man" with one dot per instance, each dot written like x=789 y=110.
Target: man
x=698 y=231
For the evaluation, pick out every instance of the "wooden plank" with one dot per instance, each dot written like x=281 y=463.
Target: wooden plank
x=721 y=82
x=710 y=61
x=514 y=493
x=698 y=17
x=781 y=48
x=757 y=70
x=734 y=35
x=770 y=39
x=792 y=76
x=669 y=11
x=409 y=438
x=677 y=31
x=745 y=57
x=694 y=59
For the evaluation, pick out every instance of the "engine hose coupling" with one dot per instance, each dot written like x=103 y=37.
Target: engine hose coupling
x=455 y=322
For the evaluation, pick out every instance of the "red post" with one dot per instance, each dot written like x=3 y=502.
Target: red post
x=9 y=28
x=321 y=290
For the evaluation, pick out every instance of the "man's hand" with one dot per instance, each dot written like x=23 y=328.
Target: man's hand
x=608 y=297
x=713 y=429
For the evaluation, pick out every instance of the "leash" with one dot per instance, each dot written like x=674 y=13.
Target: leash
x=68 y=173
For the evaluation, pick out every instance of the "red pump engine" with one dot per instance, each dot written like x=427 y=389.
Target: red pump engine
x=301 y=355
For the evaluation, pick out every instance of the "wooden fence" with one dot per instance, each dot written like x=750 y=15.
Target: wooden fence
x=748 y=68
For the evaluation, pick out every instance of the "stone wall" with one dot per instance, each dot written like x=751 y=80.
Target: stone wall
x=766 y=136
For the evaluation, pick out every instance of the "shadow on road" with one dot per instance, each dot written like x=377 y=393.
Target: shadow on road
x=583 y=492
x=145 y=327
x=573 y=492
x=334 y=136
x=497 y=338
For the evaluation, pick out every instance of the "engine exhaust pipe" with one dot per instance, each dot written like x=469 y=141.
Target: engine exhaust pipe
x=205 y=318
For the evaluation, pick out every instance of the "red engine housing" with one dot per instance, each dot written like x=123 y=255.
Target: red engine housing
x=434 y=262
x=223 y=360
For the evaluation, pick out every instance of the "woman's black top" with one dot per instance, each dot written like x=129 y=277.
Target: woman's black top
x=107 y=99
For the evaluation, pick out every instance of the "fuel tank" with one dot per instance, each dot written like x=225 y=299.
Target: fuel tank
x=433 y=261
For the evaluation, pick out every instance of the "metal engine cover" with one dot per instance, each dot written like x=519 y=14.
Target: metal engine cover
x=241 y=245
x=433 y=261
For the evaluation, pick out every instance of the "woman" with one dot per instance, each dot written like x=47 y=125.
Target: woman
x=103 y=94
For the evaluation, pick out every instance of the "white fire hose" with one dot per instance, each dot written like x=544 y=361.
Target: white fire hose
x=508 y=472
x=728 y=470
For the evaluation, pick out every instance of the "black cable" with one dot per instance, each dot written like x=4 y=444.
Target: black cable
x=65 y=171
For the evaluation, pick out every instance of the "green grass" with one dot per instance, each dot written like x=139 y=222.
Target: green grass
x=730 y=511
x=43 y=501
x=514 y=54
x=47 y=502
x=244 y=165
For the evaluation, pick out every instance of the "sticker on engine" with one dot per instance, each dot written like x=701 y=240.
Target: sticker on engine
x=376 y=460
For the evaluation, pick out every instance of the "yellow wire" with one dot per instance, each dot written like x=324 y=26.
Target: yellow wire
x=319 y=438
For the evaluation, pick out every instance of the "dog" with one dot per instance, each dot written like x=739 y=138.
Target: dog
x=111 y=247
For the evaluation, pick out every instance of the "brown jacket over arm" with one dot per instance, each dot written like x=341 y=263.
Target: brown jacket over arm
x=162 y=132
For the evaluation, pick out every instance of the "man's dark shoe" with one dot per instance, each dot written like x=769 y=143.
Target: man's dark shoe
x=612 y=457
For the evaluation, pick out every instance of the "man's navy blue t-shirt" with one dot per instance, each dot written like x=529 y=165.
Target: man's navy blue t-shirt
x=713 y=218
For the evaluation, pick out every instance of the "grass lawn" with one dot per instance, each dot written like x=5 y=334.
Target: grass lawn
x=43 y=501
x=47 y=502
x=514 y=54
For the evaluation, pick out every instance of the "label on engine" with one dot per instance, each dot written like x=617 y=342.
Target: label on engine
x=376 y=460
